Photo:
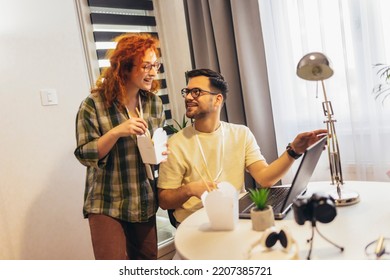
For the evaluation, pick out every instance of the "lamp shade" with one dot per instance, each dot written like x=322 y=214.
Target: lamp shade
x=314 y=66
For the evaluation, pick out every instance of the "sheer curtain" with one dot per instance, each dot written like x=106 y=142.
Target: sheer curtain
x=354 y=36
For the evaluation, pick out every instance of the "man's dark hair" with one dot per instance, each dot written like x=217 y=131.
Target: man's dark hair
x=216 y=79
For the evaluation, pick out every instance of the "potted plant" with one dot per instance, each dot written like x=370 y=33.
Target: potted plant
x=170 y=129
x=382 y=90
x=262 y=214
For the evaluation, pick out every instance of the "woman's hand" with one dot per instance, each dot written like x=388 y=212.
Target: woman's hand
x=133 y=126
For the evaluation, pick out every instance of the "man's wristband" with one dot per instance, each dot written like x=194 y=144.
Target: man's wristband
x=291 y=152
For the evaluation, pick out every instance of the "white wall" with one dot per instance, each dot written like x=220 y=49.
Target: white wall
x=41 y=182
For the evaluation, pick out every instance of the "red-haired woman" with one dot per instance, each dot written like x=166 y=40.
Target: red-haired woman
x=120 y=201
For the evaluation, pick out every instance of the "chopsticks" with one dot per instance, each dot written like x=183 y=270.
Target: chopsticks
x=138 y=113
x=203 y=179
x=208 y=172
x=147 y=133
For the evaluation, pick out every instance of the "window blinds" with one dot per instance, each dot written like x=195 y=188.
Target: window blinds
x=111 y=18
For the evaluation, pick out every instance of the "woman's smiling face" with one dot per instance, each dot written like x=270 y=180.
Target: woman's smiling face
x=140 y=77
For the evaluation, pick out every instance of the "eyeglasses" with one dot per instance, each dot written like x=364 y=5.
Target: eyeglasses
x=148 y=66
x=195 y=92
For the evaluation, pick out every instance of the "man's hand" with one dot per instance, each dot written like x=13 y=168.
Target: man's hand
x=306 y=139
x=197 y=188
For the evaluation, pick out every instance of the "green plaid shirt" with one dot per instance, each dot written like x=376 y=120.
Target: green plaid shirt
x=116 y=185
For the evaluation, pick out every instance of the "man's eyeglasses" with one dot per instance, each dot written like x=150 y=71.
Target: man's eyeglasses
x=195 y=92
x=148 y=66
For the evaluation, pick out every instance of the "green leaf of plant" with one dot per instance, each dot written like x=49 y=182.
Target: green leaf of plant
x=260 y=197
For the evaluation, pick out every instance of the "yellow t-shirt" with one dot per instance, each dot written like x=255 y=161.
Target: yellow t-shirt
x=225 y=152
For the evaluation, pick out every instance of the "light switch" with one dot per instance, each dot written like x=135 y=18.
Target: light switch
x=49 y=97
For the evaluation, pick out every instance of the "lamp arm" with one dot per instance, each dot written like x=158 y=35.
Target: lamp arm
x=333 y=147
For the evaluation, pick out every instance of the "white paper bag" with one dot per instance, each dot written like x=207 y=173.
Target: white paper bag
x=221 y=206
x=151 y=149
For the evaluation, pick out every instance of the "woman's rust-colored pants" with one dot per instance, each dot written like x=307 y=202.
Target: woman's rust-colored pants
x=113 y=239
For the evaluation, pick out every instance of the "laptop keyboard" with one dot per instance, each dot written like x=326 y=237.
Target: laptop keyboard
x=276 y=198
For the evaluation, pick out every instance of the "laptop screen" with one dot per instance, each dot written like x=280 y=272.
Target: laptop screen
x=282 y=202
x=305 y=170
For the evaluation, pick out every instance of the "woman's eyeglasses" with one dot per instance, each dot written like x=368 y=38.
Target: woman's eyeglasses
x=195 y=92
x=148 y=66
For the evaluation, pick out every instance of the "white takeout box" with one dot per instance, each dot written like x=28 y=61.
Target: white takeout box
x=221 y=206
x=151 y=149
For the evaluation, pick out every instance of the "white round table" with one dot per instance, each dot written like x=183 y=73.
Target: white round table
x=354 y=227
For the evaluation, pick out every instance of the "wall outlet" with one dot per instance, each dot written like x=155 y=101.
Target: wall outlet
x=49 y=97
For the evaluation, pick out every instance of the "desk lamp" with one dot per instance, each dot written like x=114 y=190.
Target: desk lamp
x=315 y=66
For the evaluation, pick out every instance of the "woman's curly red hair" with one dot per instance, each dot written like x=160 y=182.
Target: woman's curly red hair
x=129 y=51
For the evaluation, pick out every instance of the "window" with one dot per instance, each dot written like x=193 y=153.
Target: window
x=353 y=34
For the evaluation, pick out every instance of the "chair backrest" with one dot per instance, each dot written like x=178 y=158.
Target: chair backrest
x=171 y=217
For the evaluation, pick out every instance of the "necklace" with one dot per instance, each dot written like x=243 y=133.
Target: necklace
x=203 y=155
x=139 y=112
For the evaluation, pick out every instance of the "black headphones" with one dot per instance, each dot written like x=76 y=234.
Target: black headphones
x=319 y=207
x=272 y=235
x=270 y=238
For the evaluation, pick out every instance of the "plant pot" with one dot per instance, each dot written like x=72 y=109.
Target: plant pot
x=262 y=219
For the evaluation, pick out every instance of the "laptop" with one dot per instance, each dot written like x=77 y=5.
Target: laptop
x=282 y=197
